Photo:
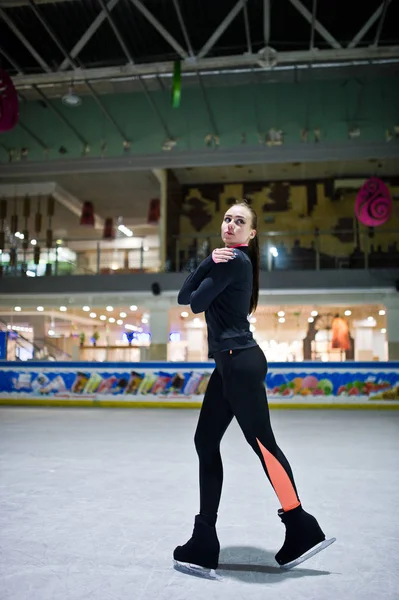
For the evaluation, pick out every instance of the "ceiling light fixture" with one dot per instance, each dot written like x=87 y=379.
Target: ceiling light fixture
x=133 y=307
x=109 y=308
x=17 y=308
x=125 y=230
x=273 y=251
x=63 y=308
x=40 y=308
x=123 y=315
x=348 y=313
x=103 y=318
x=86 y=308
x=71 y=99
x=111 y=320
x=93 y=315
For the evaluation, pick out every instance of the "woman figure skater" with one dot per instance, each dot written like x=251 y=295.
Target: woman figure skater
x=226 y=286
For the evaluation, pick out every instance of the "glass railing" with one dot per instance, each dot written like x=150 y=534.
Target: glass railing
x=97 y=259
x=279 y=251
x=307 y=250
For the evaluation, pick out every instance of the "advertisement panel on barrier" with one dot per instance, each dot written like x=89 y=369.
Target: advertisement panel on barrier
x=306 y=383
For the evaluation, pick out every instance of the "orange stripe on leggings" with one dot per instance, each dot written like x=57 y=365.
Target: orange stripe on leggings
x=280 y=481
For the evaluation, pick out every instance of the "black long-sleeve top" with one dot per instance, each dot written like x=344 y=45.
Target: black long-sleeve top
x=223 y=291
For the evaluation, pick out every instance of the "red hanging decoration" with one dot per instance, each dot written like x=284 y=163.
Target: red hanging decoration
x=9 y=105
x=36 y=255
x=38 y=217
x=87 y=217
x=154 y=211
x=340 y=334
x=109 y=231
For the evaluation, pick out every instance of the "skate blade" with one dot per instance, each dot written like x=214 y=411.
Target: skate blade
x=196 y=570
x=308 y=554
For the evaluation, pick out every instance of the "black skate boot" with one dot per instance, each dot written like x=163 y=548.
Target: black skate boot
x=200 y=555
x=303 y=538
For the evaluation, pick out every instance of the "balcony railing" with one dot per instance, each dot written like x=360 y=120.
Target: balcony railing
x=307 y=250
x=279 y=251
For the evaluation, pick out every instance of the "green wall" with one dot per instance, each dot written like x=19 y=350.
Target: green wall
x=334 y=106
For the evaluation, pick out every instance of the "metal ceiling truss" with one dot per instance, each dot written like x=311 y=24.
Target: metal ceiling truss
x=193 y=64
x=210 y=139
x=221 y=28
x=129 y=57
x=47 y=69
x=160 y=28
x=98 y=21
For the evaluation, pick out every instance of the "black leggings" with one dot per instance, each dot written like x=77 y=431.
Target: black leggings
x=236 y=389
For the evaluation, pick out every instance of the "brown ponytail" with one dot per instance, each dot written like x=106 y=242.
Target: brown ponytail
x=254 y=255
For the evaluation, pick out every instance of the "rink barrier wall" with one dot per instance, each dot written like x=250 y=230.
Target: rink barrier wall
x=306 y=385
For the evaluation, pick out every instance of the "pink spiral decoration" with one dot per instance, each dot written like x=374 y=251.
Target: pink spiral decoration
x=373 y=204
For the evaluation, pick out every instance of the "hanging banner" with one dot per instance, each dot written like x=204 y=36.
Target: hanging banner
x=295 y=383
x=3 y=346
x=340 y=334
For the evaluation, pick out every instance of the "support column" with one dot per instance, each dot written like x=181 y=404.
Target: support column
x=175 y=203
x=159 y=326
x=392 y=306
x=162 y=176
x=40 y=329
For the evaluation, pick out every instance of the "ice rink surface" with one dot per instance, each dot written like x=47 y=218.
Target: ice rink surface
x=93 y=502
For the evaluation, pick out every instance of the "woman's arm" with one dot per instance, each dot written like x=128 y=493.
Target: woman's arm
x=218 y=278
x=193 y=280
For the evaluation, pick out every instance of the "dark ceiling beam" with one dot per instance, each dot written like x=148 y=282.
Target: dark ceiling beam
x=24 y=41
x=88 y=34
x=129 y=57
x=27 y=130
x=62 y=118
x=33 y=135
x=247 y=30
x=211 y=117
x=183 y=28
x=301 y=8
x=369 y=23
x=221 y=28
x=74 y=65
x=48 y=103
x=160 y=28
x=266 y=22
x=11 y=60
x=13 y=3
x=116 y=31
x=381 y=23
x=50 y=32
x=312 y=26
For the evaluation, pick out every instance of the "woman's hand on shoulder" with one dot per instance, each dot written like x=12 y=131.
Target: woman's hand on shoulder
x=223 y=255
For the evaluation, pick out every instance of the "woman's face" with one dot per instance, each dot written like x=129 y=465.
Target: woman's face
x=237 y=226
